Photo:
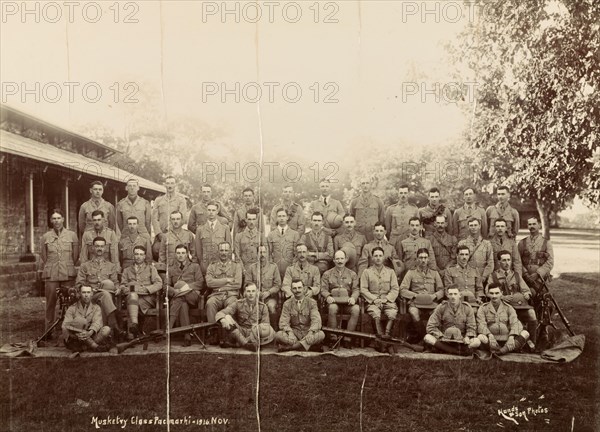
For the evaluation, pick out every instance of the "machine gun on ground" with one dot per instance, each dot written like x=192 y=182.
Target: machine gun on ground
x=158 y=335
x=386 y=342
x=65 y=297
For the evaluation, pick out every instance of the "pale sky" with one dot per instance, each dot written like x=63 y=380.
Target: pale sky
x=370 y=55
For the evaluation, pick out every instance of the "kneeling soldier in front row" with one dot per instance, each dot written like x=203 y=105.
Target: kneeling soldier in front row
x=451 y=327
x=82 y=327
x=499 y=329
x=247 y=321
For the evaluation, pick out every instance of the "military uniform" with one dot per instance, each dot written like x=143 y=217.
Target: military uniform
x=58 y=254
x=420 y=282
x=505 y=316
x=84 y=220
x=345 y=279
x=247 y=316
x=222 y=293
x=508 y=244
x=139 y=208
x=444 y=316
x=482 y=255
x=296 y=219
x=102 y=276
x=84 y=318
x=282 y=247
x=240 y=215
x=509 y=214
x=407 y=251
x=163 y=207
x=396 y=220
x=246 y=247
x=465 y=278
x=169 y=243
x=326 y=205
x=300 y=321
x=537 y=255
x=365 y=261
x=146 y=283
x=444 y=249
x=357 y=239
x=130 y=240
x=367 y=210
x=428 y=214
x=462 y=216
x=320 y=243
x=199 y=216
x=267 y=278
x=380 y=284
x=191 y=274
x=111 y=249
x=310 y=276
x=207 y=242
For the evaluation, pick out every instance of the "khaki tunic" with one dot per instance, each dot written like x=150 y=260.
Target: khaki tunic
x=445 y=316
x=140 y=208
x=367 y=210
x=56 y=254
x=506 y=315
x=428 y=214
x=310 y=276
x=92 y=273
x=333 y=206
x=346 y=279
x=465 y=278
x=240 y=215
x=418 y=282
x=365 y=261
x=84 y=220
x=461 y=220
x=111 y=250
x=296 y=220
x=207 y=242
x=126 y=244
x=163 y=207
x=407 y=251
x=375 y=283
x=537 y=255
x=282 y=247
x=191 y=274
x=245 y=314
x=396 y=220
x=300 y=319
x=444 y=248
x=266 y=277
x=246 y=246
x=508 y=244
x=482 y=255
x=509 y=214
x=166 y=254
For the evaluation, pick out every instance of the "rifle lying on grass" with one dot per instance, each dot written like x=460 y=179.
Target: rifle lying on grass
x=368 y=336
x=157 y=335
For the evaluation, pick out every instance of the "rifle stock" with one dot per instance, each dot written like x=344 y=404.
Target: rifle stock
x=393 y=341
x=157 y=335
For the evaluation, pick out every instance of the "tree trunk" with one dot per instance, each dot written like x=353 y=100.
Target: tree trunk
x=544 y=217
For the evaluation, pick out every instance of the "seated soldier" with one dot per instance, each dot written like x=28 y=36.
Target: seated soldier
x=300 y=321
x=223 y=280
x=185 y=283
x=101 y=275
x=82 y=327
x=339 y=288
x=266 y=276
x=379 y=288
x=515 y=292
x=303 y=270
x=500 y=331
x=139 y=283
x=451 y=327
x=423 y=289
x=247 y=321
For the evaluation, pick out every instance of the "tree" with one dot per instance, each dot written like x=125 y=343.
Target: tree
x=535 y=120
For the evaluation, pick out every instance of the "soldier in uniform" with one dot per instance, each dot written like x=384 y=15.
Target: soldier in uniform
x=131 y=237
x=515 y=292
x=443 y=245
x=407 y=248
x=224 y=280
x=309 y=274
x=503 y=210
x=501 y=241
x=102 y=276
x=176 y=235
x=239 y=217
x=247 y=321
x=379 y=288
x=325 y=205
x=59 y=251
x=166 y=204
x=246 y=242
x=134 y=205
x=184 y=287
x=432 y=210
x=350 y=235
x=82 y=327
x=389 y=251
x=300 y=321
x=536 y=254
x=421 y=280
x=139 y=283
x=111 y=252
x=282 y=242
x=482 y=253
x=266 y=276
x=319 y=244
x=294 y=211
x=463 y=276
x=96 y=202
x=367 y=209
x=397 y=216
x=452 y=320
x=199 y=213
x=469 y=210
x=500 y=331
x=339 y=288
x=208 y=237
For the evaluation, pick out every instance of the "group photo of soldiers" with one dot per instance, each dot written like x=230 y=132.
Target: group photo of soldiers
x=296 y=277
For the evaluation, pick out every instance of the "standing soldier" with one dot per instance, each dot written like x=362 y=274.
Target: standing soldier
x=246 y=242
x=350 y=235
x=166 y=204
x=111 y=252
x=134 y=205
x=59 y=251
x=443 y=244
x=239 y=217
x=501 y=241
x=379 y=241
x=482 y=253
x=536 y=254
x=266 y=276
x=208 y=237
x=470 y=209
x=407 y=248
x=96 y=202
x=367 y=209
x=503 y=210
x=199 y=212
x=130 y=238
x=319 y=244
x=176 y=235
x=398 y=215
x=464 y=277
x=325 y=205
x=282 y=242
x=432 y=210
x=294 y=211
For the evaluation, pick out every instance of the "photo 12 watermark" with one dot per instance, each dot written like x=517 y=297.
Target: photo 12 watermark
x=69 y=91
x=69 y=11
x=438 y=172
x=450 y=92
x=270 y=91
x=270 y=12
x=272 y=172
x=442 y=11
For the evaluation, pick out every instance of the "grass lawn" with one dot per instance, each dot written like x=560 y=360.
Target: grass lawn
x=306 y=394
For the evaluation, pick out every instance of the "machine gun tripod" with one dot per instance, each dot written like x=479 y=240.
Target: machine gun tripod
x=65 y=297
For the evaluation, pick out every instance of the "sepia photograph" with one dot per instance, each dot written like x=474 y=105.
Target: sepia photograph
x=311 y=215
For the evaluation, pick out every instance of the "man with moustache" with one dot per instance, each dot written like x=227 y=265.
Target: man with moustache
x=367 y=209
x=224 y=280
x=282 y=241
x=537 y=255
x=379 y=241
x=469 y=210
x=397 y=216
x=209 y=236
x=501 y=241
x=266 y=276
x=131 y=237
x=503 y=210
x=99 y=229
x=325 y=204
x=407 y=248
x=482 y=253
x=432 y=210
x=134 y=205
x=350 y=235
x=309 y=274
x=443 y=245
x=239 y=217
x=294 y=211
x=246 y=242
x=96 y=202
x=319 y=243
